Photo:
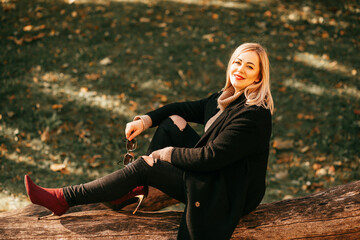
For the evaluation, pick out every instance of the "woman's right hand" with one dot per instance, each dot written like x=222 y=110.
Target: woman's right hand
x=133 y=129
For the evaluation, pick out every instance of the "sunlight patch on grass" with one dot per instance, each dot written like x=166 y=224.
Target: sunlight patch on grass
x=349 y=91
x=50 y=160
x=323 y=62
x=10 y=202
x=35 y=144
x=216 y=3
x=83 y=96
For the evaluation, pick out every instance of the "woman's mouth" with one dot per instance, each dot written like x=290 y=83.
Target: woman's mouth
x=238 y=77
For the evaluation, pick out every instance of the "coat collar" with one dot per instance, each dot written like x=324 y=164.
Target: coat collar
x=238 y=103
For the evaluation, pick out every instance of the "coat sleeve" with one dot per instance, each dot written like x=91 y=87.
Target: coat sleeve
x=245 y=135
x=192 y=111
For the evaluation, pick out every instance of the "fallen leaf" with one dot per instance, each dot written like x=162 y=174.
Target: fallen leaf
x=105 y=61
x=316 y=166
x=162 y=97
x=84 y=89
x=209 y=37
x=285 y=158
x=168 y=84
x=41 y=27
x=133 y=105
x=28 y=28
x=321 y=172
x=148 y=57
x=121 y=96
x=305 y=149
x=220 y=64
x=268 y=13
x=320 y=158
x=59 y=167
x=196 y=50
x=45 y=136
x=181 y=74
x=17 y=41
x=144 y=20
x=280 y=143
x=282 y=89
x=95 y=164
x=8 y=6
x=40 y=35
x=282 y=174
x=161 y=25
x=331 y=170
x=306 y=117
x=286 y=197
x=11 y=98
x=92 y=76
x=57 y=106
x=325 y=35
x=215 y=16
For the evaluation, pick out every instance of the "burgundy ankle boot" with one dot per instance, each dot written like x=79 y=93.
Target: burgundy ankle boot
x=137 y=194
x=51 y=198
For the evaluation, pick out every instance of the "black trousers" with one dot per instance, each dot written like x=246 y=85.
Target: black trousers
x=163 y=175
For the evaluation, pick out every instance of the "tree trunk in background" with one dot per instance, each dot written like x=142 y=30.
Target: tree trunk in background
x=331 y=214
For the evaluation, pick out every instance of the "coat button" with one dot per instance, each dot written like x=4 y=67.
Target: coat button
x=197 y=204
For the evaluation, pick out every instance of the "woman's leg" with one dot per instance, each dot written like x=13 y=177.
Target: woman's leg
x=162 y=176
x=168 y=134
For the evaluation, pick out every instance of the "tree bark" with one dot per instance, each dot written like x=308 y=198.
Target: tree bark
x=331 y=214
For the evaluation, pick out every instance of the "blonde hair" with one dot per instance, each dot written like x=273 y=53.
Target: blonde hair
x=257 y=93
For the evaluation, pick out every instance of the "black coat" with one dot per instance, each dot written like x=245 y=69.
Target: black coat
x=225 y=172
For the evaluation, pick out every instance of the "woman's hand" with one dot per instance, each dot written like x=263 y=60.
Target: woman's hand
x=164 y=154
x=133 y=129
x=149 y=160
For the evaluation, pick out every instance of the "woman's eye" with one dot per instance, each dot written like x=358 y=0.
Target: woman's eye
x=250 y=67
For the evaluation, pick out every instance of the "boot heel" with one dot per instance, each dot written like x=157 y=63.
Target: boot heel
x=47 y=216
x=138 y=194
x=141 y=199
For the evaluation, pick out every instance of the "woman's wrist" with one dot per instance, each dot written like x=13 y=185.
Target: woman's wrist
x=166 y=154
x=145 y=119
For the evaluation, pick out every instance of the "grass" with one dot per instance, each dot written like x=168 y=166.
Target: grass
x=60 y=105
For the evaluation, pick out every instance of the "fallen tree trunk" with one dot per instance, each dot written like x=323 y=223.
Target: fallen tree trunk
x=331 y=214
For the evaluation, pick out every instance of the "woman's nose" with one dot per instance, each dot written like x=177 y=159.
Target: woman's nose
x=241 y=68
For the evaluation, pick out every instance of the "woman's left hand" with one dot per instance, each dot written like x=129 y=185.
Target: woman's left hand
x=149 y=160
x=164 y=154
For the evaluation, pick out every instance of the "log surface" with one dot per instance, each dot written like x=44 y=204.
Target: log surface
x=331 y=214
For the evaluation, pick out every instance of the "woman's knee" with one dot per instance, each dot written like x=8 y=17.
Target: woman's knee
x=173 y=121
x=178 y=121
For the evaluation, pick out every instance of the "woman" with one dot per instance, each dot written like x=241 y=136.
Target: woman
x=220 y=176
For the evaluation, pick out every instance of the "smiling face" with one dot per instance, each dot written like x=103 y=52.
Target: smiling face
x=245 y=70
